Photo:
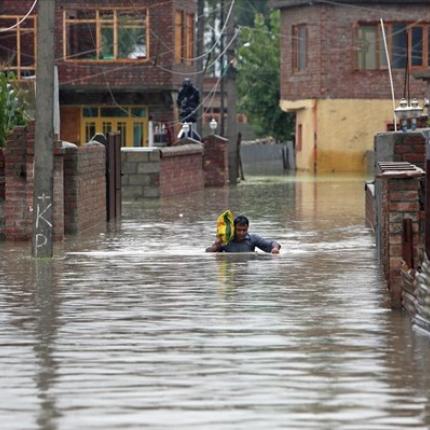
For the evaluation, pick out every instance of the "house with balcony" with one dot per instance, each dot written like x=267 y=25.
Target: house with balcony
x=334 y=74
x=120 y=63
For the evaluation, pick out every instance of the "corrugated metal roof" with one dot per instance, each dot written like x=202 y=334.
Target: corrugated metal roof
x=279 y=4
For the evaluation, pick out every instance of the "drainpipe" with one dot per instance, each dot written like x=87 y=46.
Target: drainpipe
x=315 y=128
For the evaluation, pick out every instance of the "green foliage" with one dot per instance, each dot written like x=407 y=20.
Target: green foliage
x=246 y=10
x=259 y=78
x=12 y=107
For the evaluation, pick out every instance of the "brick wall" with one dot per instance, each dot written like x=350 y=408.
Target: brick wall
x=215 y=161
x=331 y=70
x=2 y=174
x=399 y=200
x=84 y=186
x=160 y=172
x=19 y=184
x=181 y=169
x=401 y=146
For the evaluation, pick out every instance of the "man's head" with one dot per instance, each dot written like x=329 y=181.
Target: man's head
x=241 y=225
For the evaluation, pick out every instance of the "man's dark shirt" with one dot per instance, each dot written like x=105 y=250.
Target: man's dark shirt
x=249 y=244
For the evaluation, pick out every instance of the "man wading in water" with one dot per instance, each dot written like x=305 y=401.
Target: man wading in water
x=243 y=241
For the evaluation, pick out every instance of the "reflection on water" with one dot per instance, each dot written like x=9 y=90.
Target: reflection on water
x=136 y=327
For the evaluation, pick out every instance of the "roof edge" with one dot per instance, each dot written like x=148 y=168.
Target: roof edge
x=283 y=4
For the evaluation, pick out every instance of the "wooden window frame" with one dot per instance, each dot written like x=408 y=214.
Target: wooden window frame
x=18 y=69
x=179 y=36
x=98 y=21
x=184 y=37
x=389 y=33
x=296 y=48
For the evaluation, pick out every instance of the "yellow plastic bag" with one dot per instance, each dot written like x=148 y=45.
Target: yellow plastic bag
x=225 y=226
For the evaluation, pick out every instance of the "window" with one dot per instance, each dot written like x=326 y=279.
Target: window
x=371 y=53
x=130 y=121
x=300 y=47
x=184 y=37
x=18 y=45
x=406 y=44
x=106 y=35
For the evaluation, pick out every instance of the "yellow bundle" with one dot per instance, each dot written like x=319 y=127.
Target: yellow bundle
x=225 y=226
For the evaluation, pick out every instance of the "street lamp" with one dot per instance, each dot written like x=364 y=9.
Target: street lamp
x=213 y=125
x=415 y=112
x=402 y=114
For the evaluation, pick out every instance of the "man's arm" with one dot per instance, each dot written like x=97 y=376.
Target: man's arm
x=266 y=245
x=216 y=246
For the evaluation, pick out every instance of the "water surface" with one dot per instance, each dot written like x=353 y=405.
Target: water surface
x=136 y=327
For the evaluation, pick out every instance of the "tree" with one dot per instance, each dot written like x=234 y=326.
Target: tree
x=12 y=107
x=259 y=78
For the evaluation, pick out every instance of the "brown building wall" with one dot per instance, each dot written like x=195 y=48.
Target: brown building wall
x=149 y=74
x=331 y=70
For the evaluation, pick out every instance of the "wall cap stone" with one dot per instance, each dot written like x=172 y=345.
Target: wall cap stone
x=175 y=151
x=399 y=170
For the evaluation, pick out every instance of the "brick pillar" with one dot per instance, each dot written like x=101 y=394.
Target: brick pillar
x=399 y=200
x=215 y=161
x=2 y=189
x=19 y=184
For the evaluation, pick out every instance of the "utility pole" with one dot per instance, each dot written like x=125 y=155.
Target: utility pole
x=200 y=62
x=222 y=63
x=233 y=170
x=44 y=135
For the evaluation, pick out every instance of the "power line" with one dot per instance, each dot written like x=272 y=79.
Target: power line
x=22 y=20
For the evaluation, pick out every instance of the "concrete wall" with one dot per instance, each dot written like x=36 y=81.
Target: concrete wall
x=337 y=134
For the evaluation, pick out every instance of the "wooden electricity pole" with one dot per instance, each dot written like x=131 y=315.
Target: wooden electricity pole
x=222 y=63
x=200 y=62
x=233 y=159
x=44 y=135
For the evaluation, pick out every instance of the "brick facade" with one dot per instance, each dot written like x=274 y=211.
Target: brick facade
x=331 y=70
x=400 y=200
x=151 y=83
x=2 y=190
x=215 y=161
x=19 y=184
x=84 y=187
x=161 y=172
x=181 y=170
x=79 y=186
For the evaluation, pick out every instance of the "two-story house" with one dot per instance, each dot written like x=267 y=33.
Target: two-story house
x=120 y=62
x=334 y=73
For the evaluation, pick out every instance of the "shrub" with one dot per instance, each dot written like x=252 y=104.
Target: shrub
x=12 y=107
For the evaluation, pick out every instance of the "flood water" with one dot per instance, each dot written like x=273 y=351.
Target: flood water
x=135 y=327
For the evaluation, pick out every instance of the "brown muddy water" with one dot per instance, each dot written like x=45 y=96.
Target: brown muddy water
x=137 y=328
